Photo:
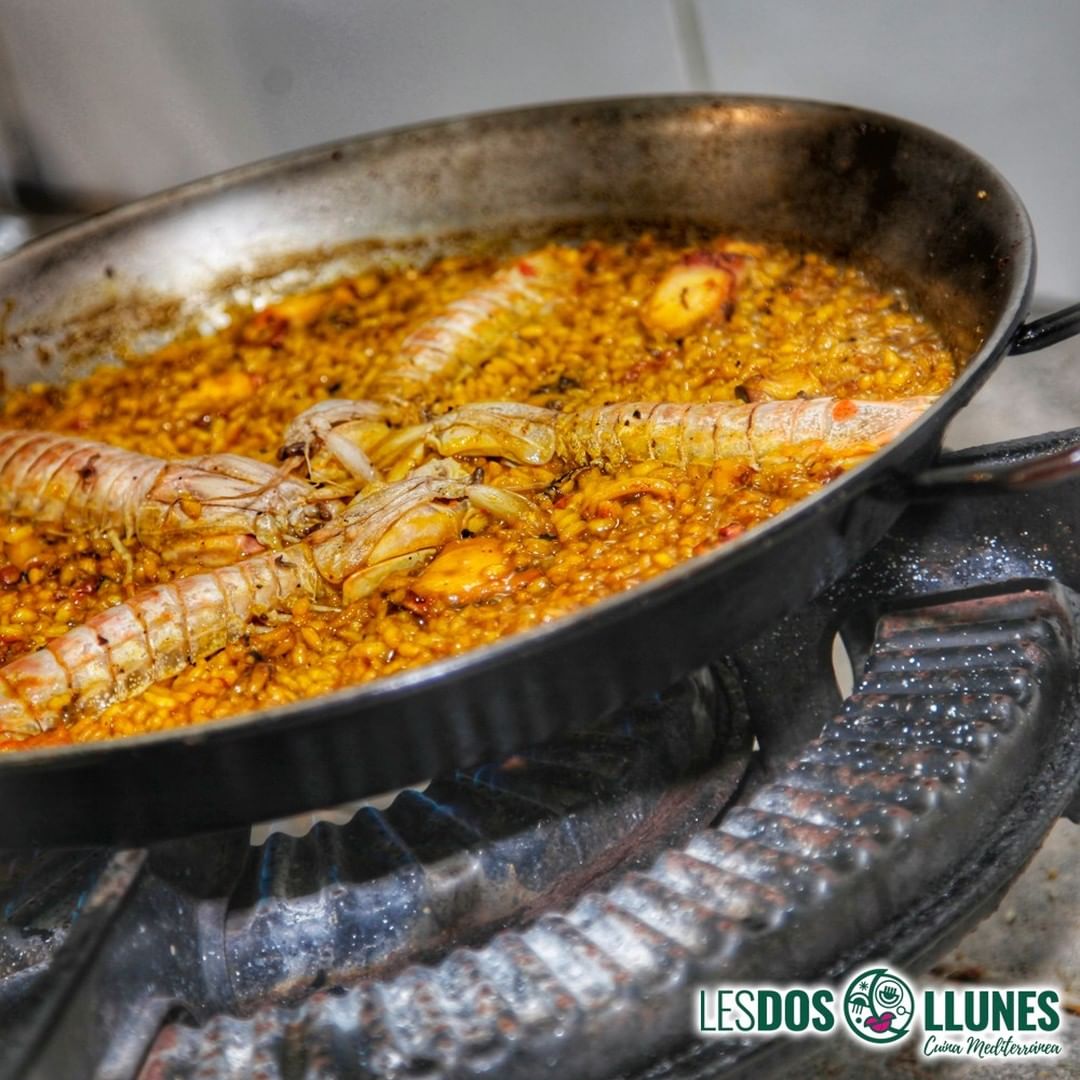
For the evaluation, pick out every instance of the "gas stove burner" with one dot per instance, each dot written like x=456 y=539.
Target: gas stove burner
x=557 y=908
x=212 y=923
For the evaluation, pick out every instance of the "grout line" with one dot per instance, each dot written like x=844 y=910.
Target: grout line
x=691 y=44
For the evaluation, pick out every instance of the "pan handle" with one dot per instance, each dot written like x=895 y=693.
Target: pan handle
x=973 y=477
x=1047 y=331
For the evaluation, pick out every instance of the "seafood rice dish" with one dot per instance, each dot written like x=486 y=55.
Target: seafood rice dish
x=420 y=460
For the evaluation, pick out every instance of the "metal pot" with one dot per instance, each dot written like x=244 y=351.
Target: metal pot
x=901 y=199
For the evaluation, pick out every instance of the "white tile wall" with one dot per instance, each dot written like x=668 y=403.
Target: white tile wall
x=132 y=95
x=1002 y=77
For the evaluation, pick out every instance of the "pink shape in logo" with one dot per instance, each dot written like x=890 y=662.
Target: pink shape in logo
x=879 y=1023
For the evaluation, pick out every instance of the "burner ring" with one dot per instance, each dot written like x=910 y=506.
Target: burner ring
x=879 y=788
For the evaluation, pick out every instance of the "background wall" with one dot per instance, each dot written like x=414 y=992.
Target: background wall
x=119 y=97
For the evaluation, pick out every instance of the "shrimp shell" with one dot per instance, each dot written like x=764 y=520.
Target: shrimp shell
x=394 y=520
x=56 y=479
x=120 y=652
x=515 y=294
x=678 y=434
x=216 y=508
x=316 y=428
x=688 y=434
x=156 y=634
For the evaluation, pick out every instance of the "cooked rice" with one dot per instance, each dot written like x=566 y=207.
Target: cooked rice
x=801 y=325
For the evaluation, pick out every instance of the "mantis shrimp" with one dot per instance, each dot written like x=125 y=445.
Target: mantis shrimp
x=677 y=434
x=264 y=536
x=471 y=327
x=256 y=526
x=161 y=630
x=212 y=509
x=467 y=331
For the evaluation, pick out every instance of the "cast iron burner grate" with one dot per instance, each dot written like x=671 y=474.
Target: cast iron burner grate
x=557 y=908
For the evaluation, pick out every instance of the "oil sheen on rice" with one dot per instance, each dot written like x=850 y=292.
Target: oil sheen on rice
x=799 y=324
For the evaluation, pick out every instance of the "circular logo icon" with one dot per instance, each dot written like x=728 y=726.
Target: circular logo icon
x=879 y=1006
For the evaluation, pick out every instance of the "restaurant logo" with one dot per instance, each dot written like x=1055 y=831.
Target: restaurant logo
x=989 y=1022
x=879 y=1006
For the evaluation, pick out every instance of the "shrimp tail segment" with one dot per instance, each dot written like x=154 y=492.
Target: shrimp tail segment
x=613 y=435
x=212 y=509
x=120 y=652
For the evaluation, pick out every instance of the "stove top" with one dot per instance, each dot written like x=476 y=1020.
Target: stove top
x=558 y=906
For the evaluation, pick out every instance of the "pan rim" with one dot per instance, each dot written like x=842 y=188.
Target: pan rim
x=612 y=609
